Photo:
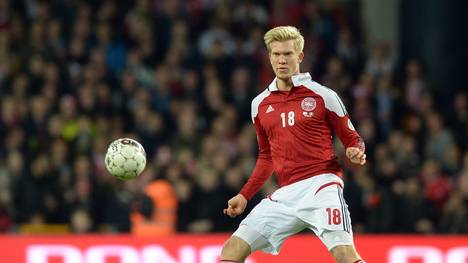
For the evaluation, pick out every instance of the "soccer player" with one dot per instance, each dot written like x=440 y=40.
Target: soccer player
x=295 y=118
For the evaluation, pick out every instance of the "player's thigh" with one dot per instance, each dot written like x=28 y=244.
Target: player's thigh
x=249 y=237
x=336 y=238
x=345 y=254
x=330 y=211
x=268 y=225
x=235 y=249
x=330 y=218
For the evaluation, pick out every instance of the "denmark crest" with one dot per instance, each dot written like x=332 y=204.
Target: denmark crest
x=308 y=104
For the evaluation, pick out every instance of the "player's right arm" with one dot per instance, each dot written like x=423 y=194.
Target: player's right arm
x=262 y=171
x=264 y=166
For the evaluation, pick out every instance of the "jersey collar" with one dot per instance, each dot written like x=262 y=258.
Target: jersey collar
x=297 y=80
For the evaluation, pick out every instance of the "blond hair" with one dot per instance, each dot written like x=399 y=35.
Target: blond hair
x=284 y=33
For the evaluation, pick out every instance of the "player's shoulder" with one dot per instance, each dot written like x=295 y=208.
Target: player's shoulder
x=330 y=98
x=320 y=89
x=258 y=100
x=305 y=80
x=260 y=97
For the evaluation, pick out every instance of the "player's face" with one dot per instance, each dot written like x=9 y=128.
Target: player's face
x=285 y=59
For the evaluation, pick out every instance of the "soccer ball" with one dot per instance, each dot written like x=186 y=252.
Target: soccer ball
x=125 y=158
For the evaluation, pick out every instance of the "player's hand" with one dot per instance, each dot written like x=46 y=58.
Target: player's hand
x=236 y=206
x=356 y=155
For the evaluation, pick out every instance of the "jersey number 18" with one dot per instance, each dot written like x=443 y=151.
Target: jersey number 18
x=290 y=118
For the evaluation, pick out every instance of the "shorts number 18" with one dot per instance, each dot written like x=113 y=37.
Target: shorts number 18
x=334 y=216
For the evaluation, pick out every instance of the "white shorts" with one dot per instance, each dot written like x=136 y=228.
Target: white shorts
x=315 y=203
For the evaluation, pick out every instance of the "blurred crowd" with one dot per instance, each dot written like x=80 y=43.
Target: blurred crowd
x=179 y=76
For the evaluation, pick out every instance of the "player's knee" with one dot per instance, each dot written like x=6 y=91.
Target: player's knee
x=345 y=254
x=235 y=249
x=339 y=255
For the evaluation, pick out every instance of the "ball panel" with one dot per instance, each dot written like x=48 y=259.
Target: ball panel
x=118 y=159
x=140 y=159
x=127 y=151
x=130 y=165
x=130 y=174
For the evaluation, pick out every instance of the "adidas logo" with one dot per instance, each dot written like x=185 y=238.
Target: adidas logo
x=270 y=109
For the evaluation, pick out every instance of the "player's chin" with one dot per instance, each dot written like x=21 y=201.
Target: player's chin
x=283 y=75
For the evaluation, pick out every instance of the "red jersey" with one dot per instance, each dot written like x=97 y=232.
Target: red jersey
x=294 y=133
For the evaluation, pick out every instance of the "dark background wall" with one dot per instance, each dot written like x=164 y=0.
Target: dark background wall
x=436 y=32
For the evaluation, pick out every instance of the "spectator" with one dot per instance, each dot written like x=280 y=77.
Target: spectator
x=419 y=212
x=380 y=63
x=415 y=86
x=438 y=140
x=81 y=222
x=459 y=120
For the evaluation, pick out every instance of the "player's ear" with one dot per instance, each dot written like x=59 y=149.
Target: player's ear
x=301 y=56
x=271 y=60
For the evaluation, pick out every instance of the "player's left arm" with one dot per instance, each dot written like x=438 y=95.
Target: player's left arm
x=343 y=127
